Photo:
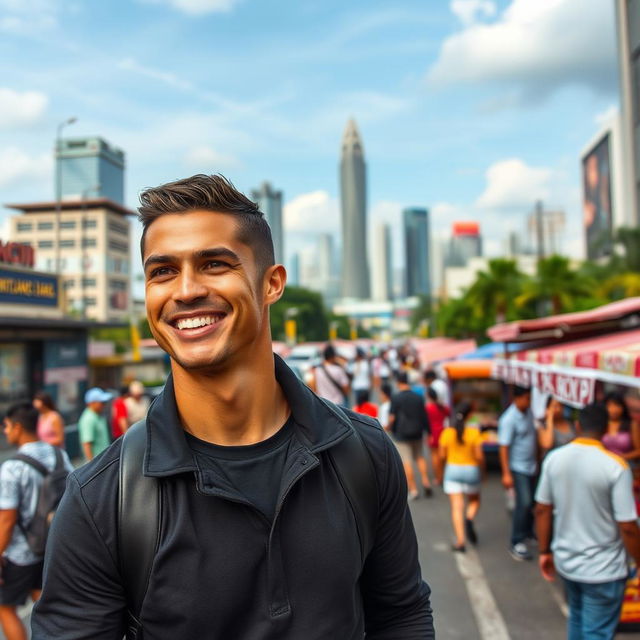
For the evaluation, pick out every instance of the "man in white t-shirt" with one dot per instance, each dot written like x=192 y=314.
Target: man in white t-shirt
x=585 y=500
x=329 y=379
x=360 y=370
x=439 y=386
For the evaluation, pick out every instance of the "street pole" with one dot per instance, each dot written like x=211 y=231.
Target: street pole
x=56 y=154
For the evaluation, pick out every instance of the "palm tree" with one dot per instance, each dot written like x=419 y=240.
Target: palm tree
x=495 y=289
x=555 y=285
x=622 y=285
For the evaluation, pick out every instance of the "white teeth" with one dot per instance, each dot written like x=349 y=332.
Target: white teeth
x=194 y=323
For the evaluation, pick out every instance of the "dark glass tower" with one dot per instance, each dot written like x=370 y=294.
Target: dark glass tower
x=416 y=242
x=353 y=192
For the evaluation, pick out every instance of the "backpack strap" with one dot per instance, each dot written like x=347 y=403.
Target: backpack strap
x=352 y=462
x=138 y=524
x=32 y=462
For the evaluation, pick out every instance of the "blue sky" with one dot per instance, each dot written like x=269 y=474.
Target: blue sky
x=473 y=108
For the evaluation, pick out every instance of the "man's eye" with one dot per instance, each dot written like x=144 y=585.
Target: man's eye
x=160 y=271
x=216 y=264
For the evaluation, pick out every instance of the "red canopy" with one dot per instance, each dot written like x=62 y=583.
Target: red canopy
x=622 y=314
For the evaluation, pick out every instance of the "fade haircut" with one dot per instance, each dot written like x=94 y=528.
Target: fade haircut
x=210 y=193
x=24 y=414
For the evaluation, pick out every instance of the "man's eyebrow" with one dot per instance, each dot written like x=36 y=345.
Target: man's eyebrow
x=215 y=252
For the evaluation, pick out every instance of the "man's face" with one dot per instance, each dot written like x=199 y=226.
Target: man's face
x=523 y=402
x=11 y=431
x=96 y=407
x=204 y=295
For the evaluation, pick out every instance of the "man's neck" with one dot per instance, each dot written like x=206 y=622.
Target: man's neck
x=27 y=439
x=238 y=406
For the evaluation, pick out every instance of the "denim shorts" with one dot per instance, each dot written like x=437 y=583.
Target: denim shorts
x=461 y=478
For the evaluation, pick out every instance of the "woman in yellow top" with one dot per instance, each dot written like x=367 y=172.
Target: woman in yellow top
x=461 y=449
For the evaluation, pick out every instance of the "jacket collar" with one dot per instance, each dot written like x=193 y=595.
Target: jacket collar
x=318 y=425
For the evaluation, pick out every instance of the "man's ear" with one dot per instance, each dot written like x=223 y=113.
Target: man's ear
x=274 y=282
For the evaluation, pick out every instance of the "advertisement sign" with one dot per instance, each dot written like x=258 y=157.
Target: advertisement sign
x=598 y=216
x=28 y=288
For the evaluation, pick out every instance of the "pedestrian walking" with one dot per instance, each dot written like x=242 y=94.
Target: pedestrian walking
x=408 y=422
x=50 y=422
x=557 y=429
x=364 y=405
x=274 y=514
x=384 y=408
x=622 y=435
x=432 y=381
x=20 y=484
x=438 y=415
x=119 y=414
x=136 y=403
x=518 y=458
x=360 y=371
x=461 y=450
x=92 y=425
x=329 y=380
x=585 y=519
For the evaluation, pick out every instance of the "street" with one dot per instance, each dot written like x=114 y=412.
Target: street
x=512 y=599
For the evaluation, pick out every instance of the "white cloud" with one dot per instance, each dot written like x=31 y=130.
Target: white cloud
x=533 y=48
x=207 y=159
x=605 y=117
x=21 y=109
x=469 y=11
x=18 y=16
x=129 y=64
x=198 y=7
x=16 y=166
x=314 y=212
x=511 y=185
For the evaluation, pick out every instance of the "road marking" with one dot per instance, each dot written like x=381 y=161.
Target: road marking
x=491 y=624
x=560 y=601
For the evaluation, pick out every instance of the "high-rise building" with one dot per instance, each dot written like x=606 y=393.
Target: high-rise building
x=466 y=243
x=353 y=192
x=381 y=267
x=416 y=244
x=89 y=167
x=270 y=203
x=328 y=280
x=293 y=275
x=94 y=252
x=628 y=24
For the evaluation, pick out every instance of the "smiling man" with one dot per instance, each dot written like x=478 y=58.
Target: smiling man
x=261 y=534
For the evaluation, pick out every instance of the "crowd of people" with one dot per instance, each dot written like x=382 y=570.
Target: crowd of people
x=35 y=475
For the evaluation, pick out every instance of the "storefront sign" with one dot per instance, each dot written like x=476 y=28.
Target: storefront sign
x=574 y=390
x=28 y=288
x=15 y=253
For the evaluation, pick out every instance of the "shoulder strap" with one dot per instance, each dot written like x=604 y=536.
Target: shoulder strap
x=32 y=462
x=333 y=381
x=355 y=470
x=138 y=523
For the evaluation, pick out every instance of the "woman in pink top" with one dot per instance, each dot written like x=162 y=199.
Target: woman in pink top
x=438 y=414
x=50 y=423
x=623 y=434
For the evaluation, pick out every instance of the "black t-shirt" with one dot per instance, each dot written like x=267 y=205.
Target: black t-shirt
x=410 y=416
x=253 y=470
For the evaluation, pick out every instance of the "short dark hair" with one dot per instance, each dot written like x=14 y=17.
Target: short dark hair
x=210 y=193
x=329 y=352
x=385 y=388
x=519 y=391
x=432 y=394
x=594 y=418
x=24 y=414
x=430 y=374
x=362 y=396
x=402 y=377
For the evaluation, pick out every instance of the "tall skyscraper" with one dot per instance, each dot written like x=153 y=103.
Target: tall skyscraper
x=416 y=243
x=466 y=243
x=270 y=203
x=381 y=266
x=89 y=168
x=353 y=193
x=327 y=273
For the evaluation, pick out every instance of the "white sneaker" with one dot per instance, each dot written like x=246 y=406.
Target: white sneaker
x=520 y=552
x=413 y=495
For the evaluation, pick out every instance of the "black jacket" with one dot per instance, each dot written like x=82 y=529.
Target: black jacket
x=223 y=571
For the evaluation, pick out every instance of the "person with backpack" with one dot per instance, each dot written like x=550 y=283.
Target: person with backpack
x=329 y=380
x=32 y=481
x=243 y=506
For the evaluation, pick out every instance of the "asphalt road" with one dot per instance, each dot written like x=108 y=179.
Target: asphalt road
x=485 y=594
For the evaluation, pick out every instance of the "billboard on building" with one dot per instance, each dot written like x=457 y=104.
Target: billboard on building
x=597 y=206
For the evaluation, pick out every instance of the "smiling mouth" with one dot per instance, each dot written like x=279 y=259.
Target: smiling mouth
x=197 y=322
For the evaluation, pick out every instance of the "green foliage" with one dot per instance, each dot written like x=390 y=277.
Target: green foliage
x=120 y=336
x=312 y=319
x=422 y=312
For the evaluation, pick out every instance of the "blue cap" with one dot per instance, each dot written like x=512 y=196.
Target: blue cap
x=96 y=395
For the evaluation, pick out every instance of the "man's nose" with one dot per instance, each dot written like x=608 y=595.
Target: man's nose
x=190 y=287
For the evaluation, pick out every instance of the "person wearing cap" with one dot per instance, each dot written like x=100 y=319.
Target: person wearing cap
x=136 y=402
x=92 y=426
